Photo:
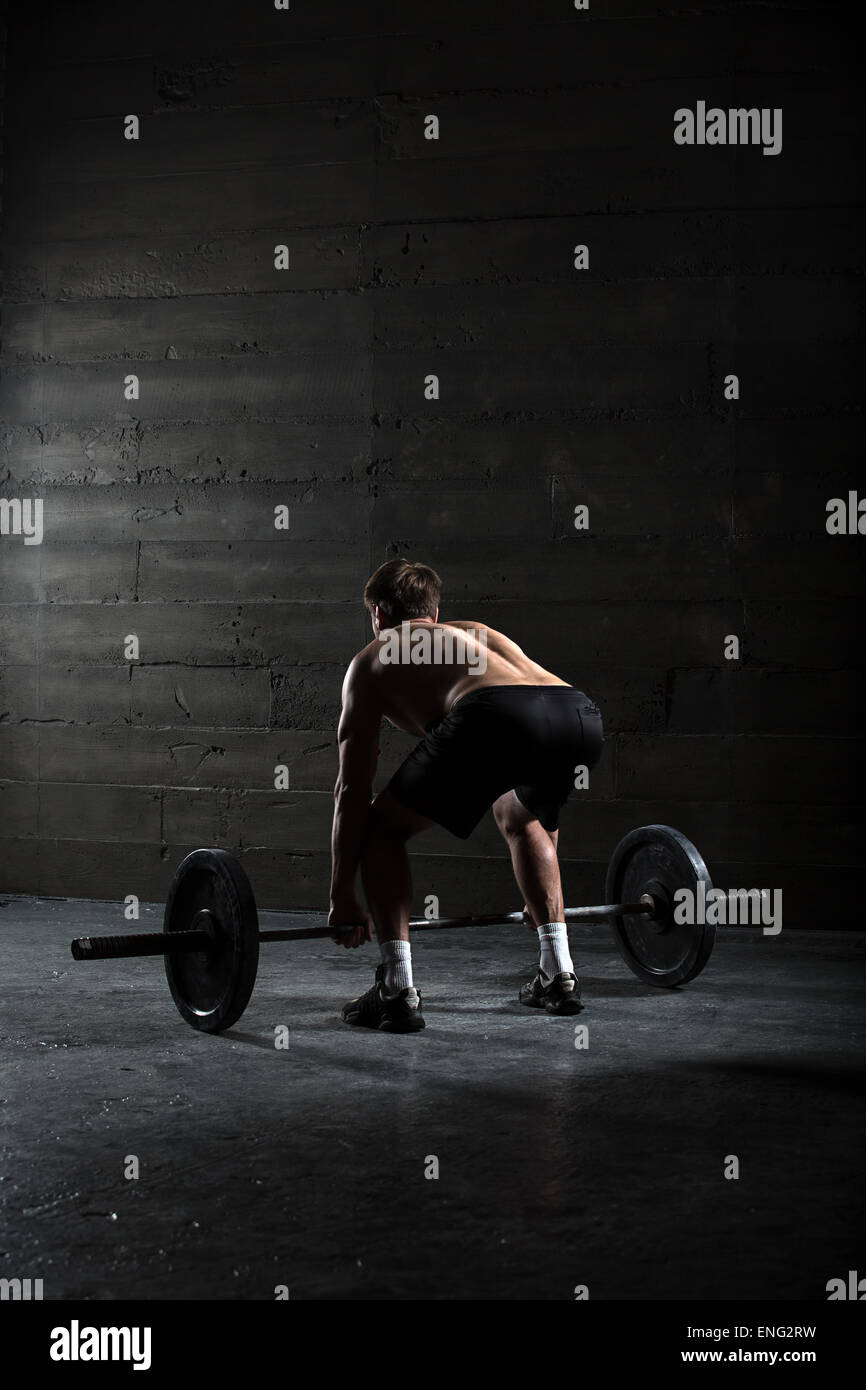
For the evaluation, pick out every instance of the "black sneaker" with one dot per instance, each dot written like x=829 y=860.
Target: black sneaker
x=398 y=1013
x=561 y=995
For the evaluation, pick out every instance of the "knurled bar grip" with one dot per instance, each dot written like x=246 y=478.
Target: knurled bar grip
x=151 y=943
x=181 y=942
x=493 y=919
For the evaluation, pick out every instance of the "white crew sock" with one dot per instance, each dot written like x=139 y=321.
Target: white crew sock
x=555 y=955
x=397 y=960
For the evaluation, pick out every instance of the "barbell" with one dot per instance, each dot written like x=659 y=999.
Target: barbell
x=211 y=933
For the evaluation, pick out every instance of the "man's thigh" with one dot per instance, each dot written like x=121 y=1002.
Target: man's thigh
x=389 y=816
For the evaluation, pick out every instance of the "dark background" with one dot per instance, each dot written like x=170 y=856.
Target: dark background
x=305 y=387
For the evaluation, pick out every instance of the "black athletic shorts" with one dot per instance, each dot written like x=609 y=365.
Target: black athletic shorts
x=526 y=737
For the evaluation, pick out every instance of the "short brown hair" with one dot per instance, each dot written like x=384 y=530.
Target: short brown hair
x=404 y=590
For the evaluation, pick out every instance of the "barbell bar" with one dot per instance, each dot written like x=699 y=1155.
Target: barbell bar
x=185 y=942
x=211 y=935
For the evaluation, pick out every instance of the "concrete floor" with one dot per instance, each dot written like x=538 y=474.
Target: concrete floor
x=557 y=1166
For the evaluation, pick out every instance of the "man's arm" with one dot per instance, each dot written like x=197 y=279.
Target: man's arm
x=358 y=739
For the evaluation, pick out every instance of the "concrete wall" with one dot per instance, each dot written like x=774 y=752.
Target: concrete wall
x=305 y=387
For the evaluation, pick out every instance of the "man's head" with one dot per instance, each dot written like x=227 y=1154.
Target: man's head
x=400 y=591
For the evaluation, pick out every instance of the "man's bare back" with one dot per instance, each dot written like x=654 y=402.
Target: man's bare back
x=413 y=695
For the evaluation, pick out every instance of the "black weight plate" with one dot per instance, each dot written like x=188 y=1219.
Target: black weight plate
x=657 y=859
x=211 y=988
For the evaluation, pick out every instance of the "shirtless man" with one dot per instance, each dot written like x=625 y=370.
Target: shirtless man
x=496 y=730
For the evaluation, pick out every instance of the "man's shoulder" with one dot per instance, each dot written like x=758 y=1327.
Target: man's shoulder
x=362 y=696
x=364 y=663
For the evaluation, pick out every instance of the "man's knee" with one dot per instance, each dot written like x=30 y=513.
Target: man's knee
x=511 y=816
